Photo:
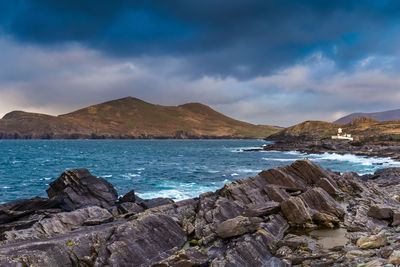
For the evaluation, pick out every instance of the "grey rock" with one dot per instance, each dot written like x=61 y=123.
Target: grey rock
x=381 y=212
x=238 y=226
x=295 y=211
x=78 y=188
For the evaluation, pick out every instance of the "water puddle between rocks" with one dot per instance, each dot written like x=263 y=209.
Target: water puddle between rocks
x=330 y=238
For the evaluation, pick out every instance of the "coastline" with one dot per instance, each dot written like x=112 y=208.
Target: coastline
x=334 y=146
x=281 y=217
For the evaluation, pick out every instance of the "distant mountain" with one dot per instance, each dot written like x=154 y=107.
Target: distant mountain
x=360 y=128
x=390 y=115
x=130 y=118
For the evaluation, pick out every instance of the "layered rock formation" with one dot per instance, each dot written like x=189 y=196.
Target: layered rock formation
x=273 y=219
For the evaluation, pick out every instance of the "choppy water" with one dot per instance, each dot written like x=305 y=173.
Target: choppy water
x=153 y=168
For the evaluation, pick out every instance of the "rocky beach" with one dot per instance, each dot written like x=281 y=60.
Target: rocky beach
x=295 y=215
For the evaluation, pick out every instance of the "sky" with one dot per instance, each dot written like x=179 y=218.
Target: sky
x=266 y=62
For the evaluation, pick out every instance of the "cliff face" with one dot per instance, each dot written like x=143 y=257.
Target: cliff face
x=272 y=219
x=130 y=118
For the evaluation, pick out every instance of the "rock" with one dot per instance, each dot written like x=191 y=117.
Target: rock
x=33 y=204
x=360 y=253
x=318 y=199
x=238 y=226
x=295 y=211
x=381 y=212
x=128 y=197
x=60 y=223
x=396 y=218
x=376 y=263
x=385 y=252
x=330 y=187
x=186 y=257
x=283 y=252
x=267 y=208
x=395 y=257
x=373 y=241
x=276 y=193
x=78 y=188
x=129 y=207
x=154 y=202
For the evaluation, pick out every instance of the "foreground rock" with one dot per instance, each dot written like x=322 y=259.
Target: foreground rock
x=295 y=215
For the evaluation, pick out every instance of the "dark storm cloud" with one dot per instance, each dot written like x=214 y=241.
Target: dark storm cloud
x=236 y=38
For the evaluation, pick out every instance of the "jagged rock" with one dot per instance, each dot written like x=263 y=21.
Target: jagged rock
x=295 y=210
x=238 y=226
x=128 y=197
x=321 y=201
x=33 y=204
x=381 y=212
x=60 y=223
x=186 y=257
x=269 y=207
x=276 y=193
x=373 y=241
x=142 y=242
x=129 y=207
x=78 y=188
x=330 y=187
x=154 y=202
x=247 y=250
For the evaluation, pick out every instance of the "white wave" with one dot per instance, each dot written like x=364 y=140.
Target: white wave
x=248 y=170
x=130 y=175
x=279 y=159
x=107 y=176
x=185 y=191
x=234 y=174
x=6 y=187
x=361 y=160
x=241 y=149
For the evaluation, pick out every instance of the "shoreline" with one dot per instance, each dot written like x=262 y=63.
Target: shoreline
x=283 y=216
x=332 y=146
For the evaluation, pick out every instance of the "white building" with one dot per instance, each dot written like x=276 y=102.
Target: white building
x=342 y=136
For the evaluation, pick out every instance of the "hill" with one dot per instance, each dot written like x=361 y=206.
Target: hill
x=130 y=118
x=390 y=115
x=361 y=128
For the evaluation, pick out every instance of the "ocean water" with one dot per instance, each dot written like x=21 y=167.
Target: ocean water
x=177 y=169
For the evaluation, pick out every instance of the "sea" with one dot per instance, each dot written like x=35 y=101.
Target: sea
x=178 y=169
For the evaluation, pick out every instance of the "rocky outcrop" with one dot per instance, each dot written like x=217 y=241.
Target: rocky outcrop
x=78 y=188
x=299 y=214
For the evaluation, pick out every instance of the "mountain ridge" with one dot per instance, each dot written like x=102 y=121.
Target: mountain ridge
x=388 y=115
x=130 y=117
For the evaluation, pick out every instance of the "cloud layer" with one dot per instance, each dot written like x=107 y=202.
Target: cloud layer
x=269 y=62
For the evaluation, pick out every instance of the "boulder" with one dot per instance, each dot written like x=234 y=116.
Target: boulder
x=267 y=208
x=238 y=226
x=373 y=241
x=78 y=188
x=381 y=212
x=395 y=257
x=295 y=211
